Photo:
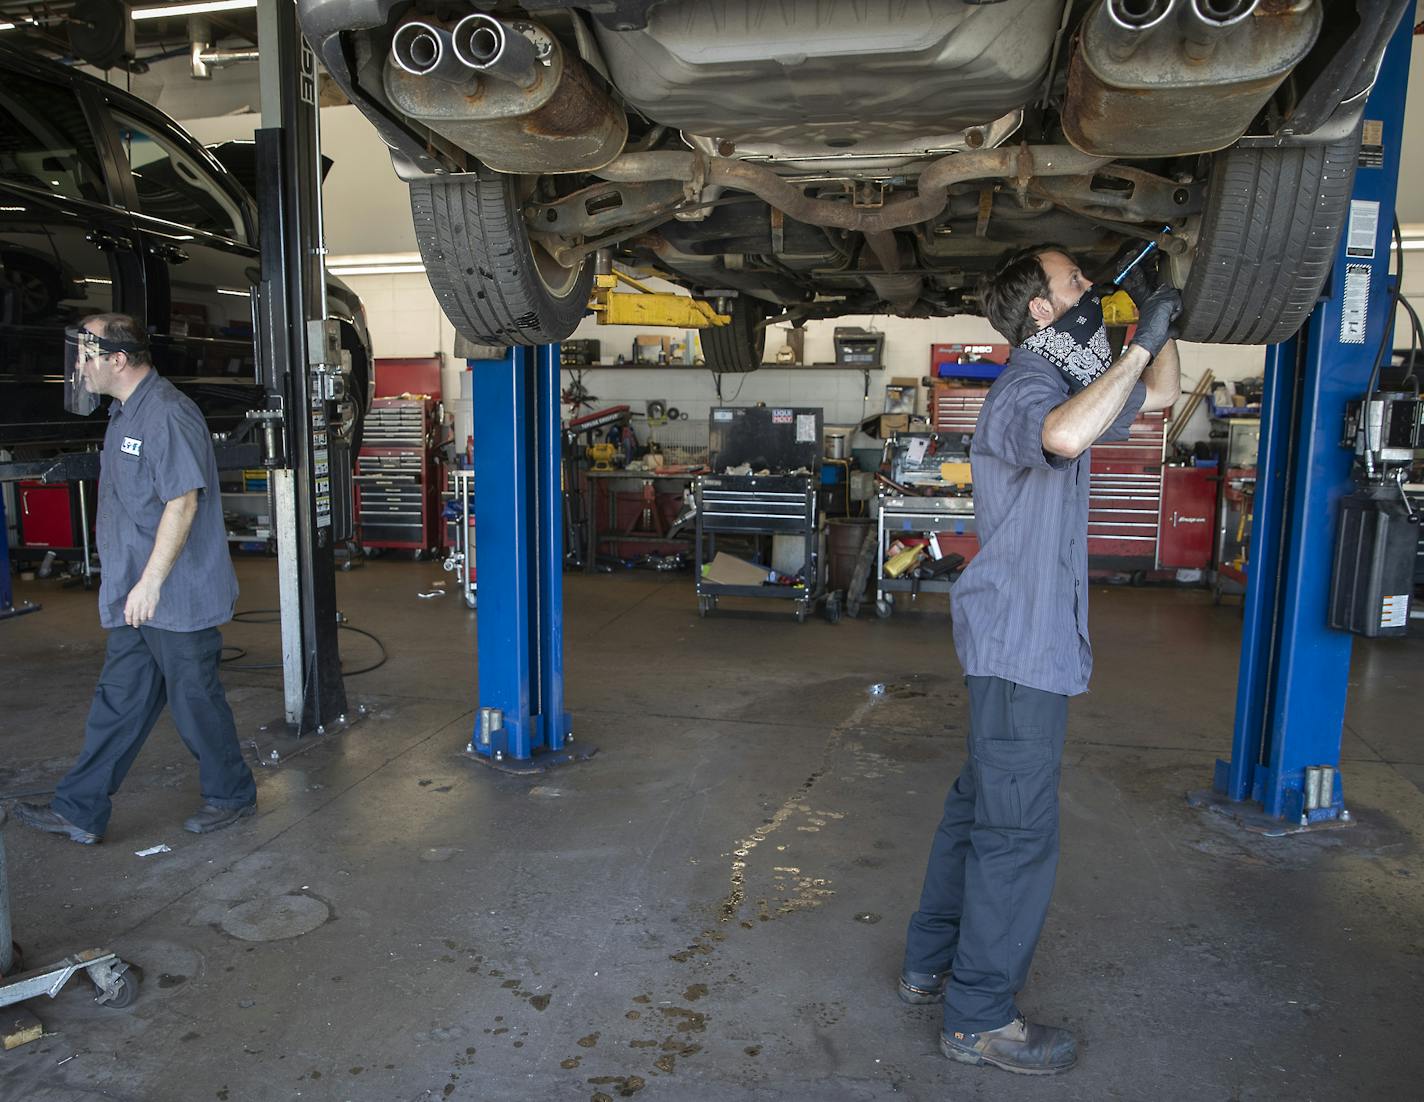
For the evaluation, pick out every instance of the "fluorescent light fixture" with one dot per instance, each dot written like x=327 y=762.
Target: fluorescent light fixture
x=379 y=269
x=234 y=293
x=376 y=264
x=162 y=11
x=7 y=26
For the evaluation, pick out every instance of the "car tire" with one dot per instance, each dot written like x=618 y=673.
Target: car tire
x=736 y=348
x=1267 y=241
x=493 y=283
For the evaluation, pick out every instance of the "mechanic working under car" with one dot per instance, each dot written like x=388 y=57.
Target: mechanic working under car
x=167 y=584
x=1021 y=631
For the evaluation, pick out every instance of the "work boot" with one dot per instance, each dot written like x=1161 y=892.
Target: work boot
x=1018 y=1047
x=211 y=817
x=922 y=988
x=51 y=821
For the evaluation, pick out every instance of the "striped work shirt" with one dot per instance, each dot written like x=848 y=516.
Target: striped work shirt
x=1021 y=606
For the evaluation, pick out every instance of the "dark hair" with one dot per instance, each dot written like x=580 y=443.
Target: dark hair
x=123 y=327
x=1016 y=281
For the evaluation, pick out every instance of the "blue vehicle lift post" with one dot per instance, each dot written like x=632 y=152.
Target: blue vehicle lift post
x=1294 y=670
x=522 y=725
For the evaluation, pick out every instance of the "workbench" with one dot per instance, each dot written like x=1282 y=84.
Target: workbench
x=634 y=534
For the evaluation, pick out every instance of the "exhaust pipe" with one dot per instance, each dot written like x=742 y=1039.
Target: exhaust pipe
x=540 y=110
x=1220 y=13
x=427 y=50
x=1206 y=22
x=1139 y=15
x=489 y=46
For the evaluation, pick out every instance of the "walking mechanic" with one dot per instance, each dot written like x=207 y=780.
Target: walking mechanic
x=167 y=585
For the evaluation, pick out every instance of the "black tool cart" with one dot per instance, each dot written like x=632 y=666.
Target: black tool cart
x=781 y=450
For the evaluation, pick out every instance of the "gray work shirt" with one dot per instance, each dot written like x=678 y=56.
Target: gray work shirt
x=157 y=448
x=1021 y=606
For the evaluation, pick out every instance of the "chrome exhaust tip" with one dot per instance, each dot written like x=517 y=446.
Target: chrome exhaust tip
x=487 y=45
x=1138 y=15
x=1220 y=14
x=427 y=50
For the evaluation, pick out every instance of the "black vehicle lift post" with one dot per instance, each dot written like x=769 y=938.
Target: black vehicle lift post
x=301 y=369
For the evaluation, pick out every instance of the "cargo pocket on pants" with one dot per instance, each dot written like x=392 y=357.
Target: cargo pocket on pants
x=1017 y=782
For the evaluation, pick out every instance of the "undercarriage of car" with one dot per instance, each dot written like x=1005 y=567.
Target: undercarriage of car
x=806 y=159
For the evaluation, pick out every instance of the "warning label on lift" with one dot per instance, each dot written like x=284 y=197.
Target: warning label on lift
x=1372 y=144
x=1354 y=311
x=1364 y=227
x=1395 y=613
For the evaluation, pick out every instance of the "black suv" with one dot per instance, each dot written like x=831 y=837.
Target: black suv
x=106 y=205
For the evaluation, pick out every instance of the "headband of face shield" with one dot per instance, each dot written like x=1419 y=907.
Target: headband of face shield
x=80 y=346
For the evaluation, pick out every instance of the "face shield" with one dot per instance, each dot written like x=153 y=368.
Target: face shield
x=81 y=346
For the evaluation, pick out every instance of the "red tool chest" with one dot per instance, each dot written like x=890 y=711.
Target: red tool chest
x=1188 y=524
x=1125 y=503
x=399 y=476
x=1125 y=497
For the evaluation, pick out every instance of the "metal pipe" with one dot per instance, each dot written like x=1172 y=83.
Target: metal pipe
x=787 y=195
x=1220 y=13
x=489 y=46
x=1206 y=22
x=1139 y=15
x=426 y=49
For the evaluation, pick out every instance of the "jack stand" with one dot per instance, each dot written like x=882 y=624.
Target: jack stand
x=522 y=725
x=1294 y=673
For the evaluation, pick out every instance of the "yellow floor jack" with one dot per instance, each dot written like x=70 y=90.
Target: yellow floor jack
x=115 y=981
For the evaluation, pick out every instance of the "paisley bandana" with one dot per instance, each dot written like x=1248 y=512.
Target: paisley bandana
x=1077 y=343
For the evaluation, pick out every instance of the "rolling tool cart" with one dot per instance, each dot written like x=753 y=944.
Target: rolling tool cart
x=757 y=505
x=767 y=467
x=919 y=516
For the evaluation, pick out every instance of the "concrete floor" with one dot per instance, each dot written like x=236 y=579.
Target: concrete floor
x=713 y=907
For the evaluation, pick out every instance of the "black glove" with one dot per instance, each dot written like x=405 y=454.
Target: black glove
x=1142 y=280
x=1155 y=317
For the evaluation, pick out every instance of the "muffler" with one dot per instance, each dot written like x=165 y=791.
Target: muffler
x=519 y=101
x=1139 y=84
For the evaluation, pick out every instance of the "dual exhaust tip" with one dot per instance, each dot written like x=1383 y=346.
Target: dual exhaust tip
x=1143 y=15
x=477 y=45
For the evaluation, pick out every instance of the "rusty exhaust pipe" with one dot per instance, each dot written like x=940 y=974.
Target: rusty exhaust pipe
x=427 y=50
x=494 y=48
x=784 y=193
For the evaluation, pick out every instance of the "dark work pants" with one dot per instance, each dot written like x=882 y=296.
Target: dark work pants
x=994 y=856
x=144 y=669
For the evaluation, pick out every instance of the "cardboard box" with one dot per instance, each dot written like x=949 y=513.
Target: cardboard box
x=902 y=395
x=725 y=569
x=891 y=423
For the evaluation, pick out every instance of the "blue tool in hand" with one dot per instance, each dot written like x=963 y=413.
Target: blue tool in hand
x=1146 y=251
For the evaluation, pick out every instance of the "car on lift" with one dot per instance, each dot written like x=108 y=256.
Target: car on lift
x=804 y=159
x=107 y=205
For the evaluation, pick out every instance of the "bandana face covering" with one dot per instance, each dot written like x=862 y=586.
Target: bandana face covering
x=1077 y=343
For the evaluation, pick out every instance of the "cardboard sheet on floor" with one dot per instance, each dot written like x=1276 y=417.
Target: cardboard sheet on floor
x=725 y=569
